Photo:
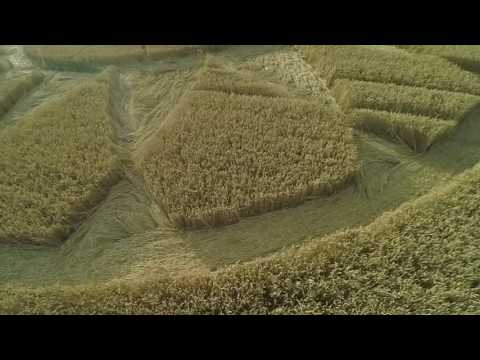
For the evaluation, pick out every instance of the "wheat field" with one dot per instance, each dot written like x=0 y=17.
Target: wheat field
x=440 y=104
x=250 y=179
x=373 y=64
x=466 y=56
x=414 y=99
x=214 y=160
x=57 y=162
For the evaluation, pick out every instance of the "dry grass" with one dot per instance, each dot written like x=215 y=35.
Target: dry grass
x=13 y=89
x=86 y=57
x=466 y=56
x=374 y=64
x=420 y=259
x=220 y=157
x=56 y=163
x=404 y=99
x=418 y=132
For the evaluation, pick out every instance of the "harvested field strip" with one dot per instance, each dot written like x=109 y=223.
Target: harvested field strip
x=371 y=64
x=56 y=163
x=403 y=99
x=13 y=89
x=418 y=132
x=466 y=56
x=91 y=57
x=220 y=157
x=420 y=259
x=236 y=82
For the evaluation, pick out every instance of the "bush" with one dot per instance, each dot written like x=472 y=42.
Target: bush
x=404 y=99
x=418 y=132
x=374 y=64
x=56 y=163
x=219 y=157
x=13 y=89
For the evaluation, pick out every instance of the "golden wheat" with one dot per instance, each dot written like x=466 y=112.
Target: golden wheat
x=56 y=163
x=418 y=132
x=373 y=64
x=219 y=157
x=404 y=99
x=419 y=259
x=466 y=56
